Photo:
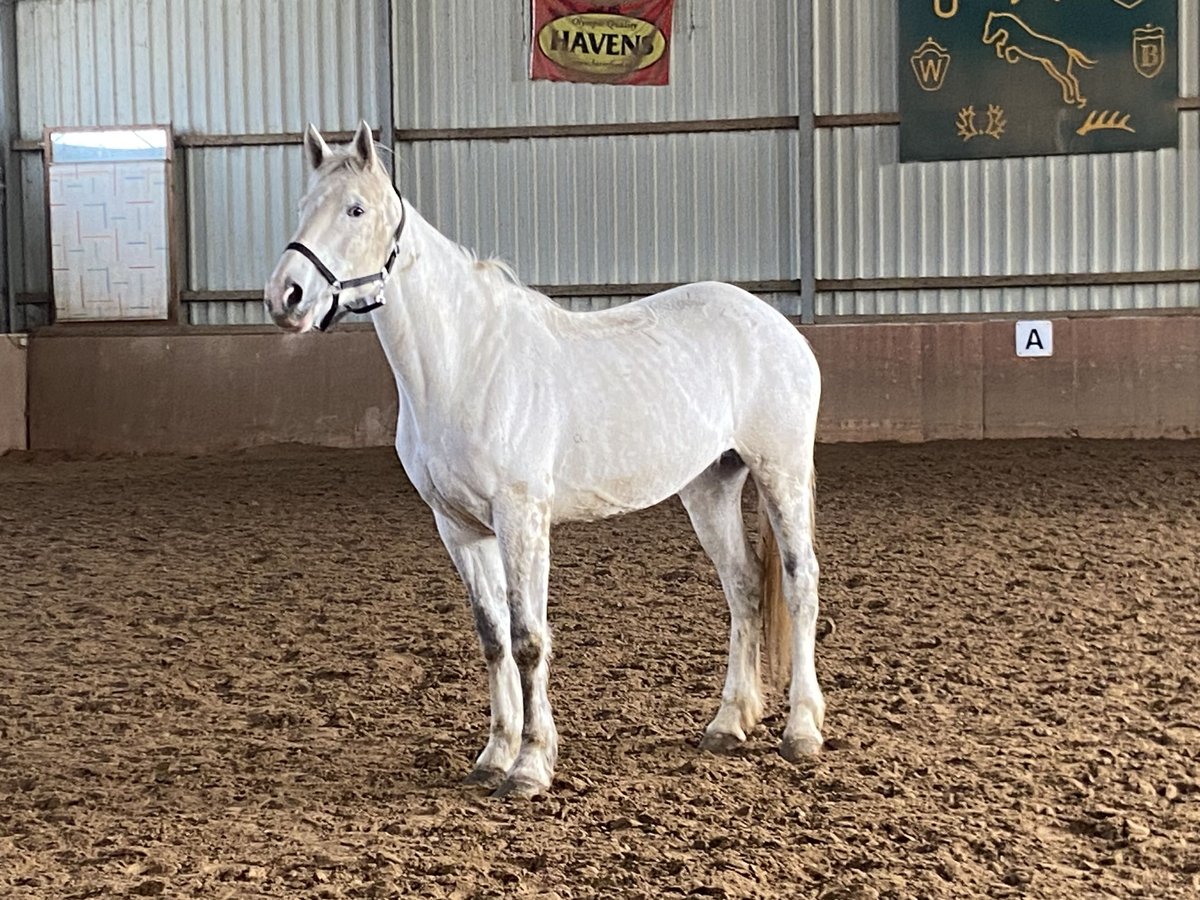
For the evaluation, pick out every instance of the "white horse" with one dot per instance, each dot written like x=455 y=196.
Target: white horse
x=516 y=414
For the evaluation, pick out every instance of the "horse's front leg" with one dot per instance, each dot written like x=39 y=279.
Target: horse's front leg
x=476 y=555
x=523 y=529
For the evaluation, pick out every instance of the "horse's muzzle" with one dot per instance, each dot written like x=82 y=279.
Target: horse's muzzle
x=283 y=300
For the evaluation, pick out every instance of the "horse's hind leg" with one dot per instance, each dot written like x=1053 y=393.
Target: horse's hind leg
x=1070 y=93
x=476 y=555
x=713 y=502
x=789 y=498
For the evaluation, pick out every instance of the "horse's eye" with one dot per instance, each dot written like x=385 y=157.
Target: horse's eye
x=355 y=211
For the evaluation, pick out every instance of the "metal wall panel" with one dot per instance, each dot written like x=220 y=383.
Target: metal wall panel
x=31 y=270
x=599 y=210
x=614 y=210
x=28 y=261
x=854 y=57
x=10 y=211
x=208 y=67
x=1037 y=215
x=464 y=64
x=1189 y=38
x=241 y=211
x=205 y=66
x=232 y=312
x=31 y=316
x=1119 y=212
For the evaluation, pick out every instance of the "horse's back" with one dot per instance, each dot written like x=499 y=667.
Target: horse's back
x=768 y=368
x=735 y=322
x=707 y=346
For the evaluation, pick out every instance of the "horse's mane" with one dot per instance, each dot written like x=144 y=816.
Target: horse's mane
x=492 y=265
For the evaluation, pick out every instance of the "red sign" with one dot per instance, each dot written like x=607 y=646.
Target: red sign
x=609 y=43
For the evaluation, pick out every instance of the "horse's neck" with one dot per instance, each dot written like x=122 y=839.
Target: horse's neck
x=443 y=313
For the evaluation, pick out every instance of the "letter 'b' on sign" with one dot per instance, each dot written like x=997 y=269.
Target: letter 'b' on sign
x=1035 y=338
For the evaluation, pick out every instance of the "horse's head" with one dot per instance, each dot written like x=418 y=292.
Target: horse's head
x=343 y=251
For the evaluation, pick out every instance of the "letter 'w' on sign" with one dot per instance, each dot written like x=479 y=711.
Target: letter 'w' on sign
x=930 y=62
x=1035 y=338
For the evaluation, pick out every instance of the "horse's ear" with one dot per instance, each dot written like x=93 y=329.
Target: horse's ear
x=364 y=144
x=315 y=148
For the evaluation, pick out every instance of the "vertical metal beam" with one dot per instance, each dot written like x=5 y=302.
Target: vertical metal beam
x=806 y=216
x=10 y=180
x=385 y=81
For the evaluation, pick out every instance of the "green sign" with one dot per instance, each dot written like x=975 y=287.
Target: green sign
x=987 y=78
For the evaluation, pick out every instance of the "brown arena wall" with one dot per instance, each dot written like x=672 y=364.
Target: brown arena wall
x=1129 y=377
x=13 y=391
x=200 y=393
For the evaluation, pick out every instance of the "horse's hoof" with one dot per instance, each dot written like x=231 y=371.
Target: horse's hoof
x=486 y=776
x=799 y=749
x=720 y=742
x=517 y=789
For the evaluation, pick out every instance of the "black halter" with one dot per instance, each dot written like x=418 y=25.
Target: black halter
x=339 y=285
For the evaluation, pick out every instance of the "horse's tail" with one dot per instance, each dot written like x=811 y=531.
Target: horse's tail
x=776 y=621
x=1079 y=59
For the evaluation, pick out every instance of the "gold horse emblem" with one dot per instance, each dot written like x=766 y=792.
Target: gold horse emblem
x=1014 y=41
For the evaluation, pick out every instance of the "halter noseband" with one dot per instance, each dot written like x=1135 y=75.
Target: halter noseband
x=338 y=285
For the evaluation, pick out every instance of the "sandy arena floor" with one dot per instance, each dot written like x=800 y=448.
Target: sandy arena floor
x=255 y=676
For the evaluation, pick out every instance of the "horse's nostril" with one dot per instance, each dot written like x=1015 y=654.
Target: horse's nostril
x=293 y=296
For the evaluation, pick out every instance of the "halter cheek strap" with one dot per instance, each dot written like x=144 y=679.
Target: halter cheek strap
x=338 y=285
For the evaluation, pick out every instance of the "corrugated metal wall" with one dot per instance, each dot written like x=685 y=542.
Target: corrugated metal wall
x=1105 y=213
x=615 y=209
x=719 y=54
x=9 y=164
x=208 y=67
x=205 y=66
x=594 y=210
x=30 y=271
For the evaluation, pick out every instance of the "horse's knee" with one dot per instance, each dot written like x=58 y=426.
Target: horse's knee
x=529 y=648
x=494 y=650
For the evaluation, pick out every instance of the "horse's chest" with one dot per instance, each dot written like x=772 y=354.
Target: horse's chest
x=446 y=490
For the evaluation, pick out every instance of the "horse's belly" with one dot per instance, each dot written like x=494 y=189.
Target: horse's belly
x=638 y=436
x=600 y=503
x=586 y=493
